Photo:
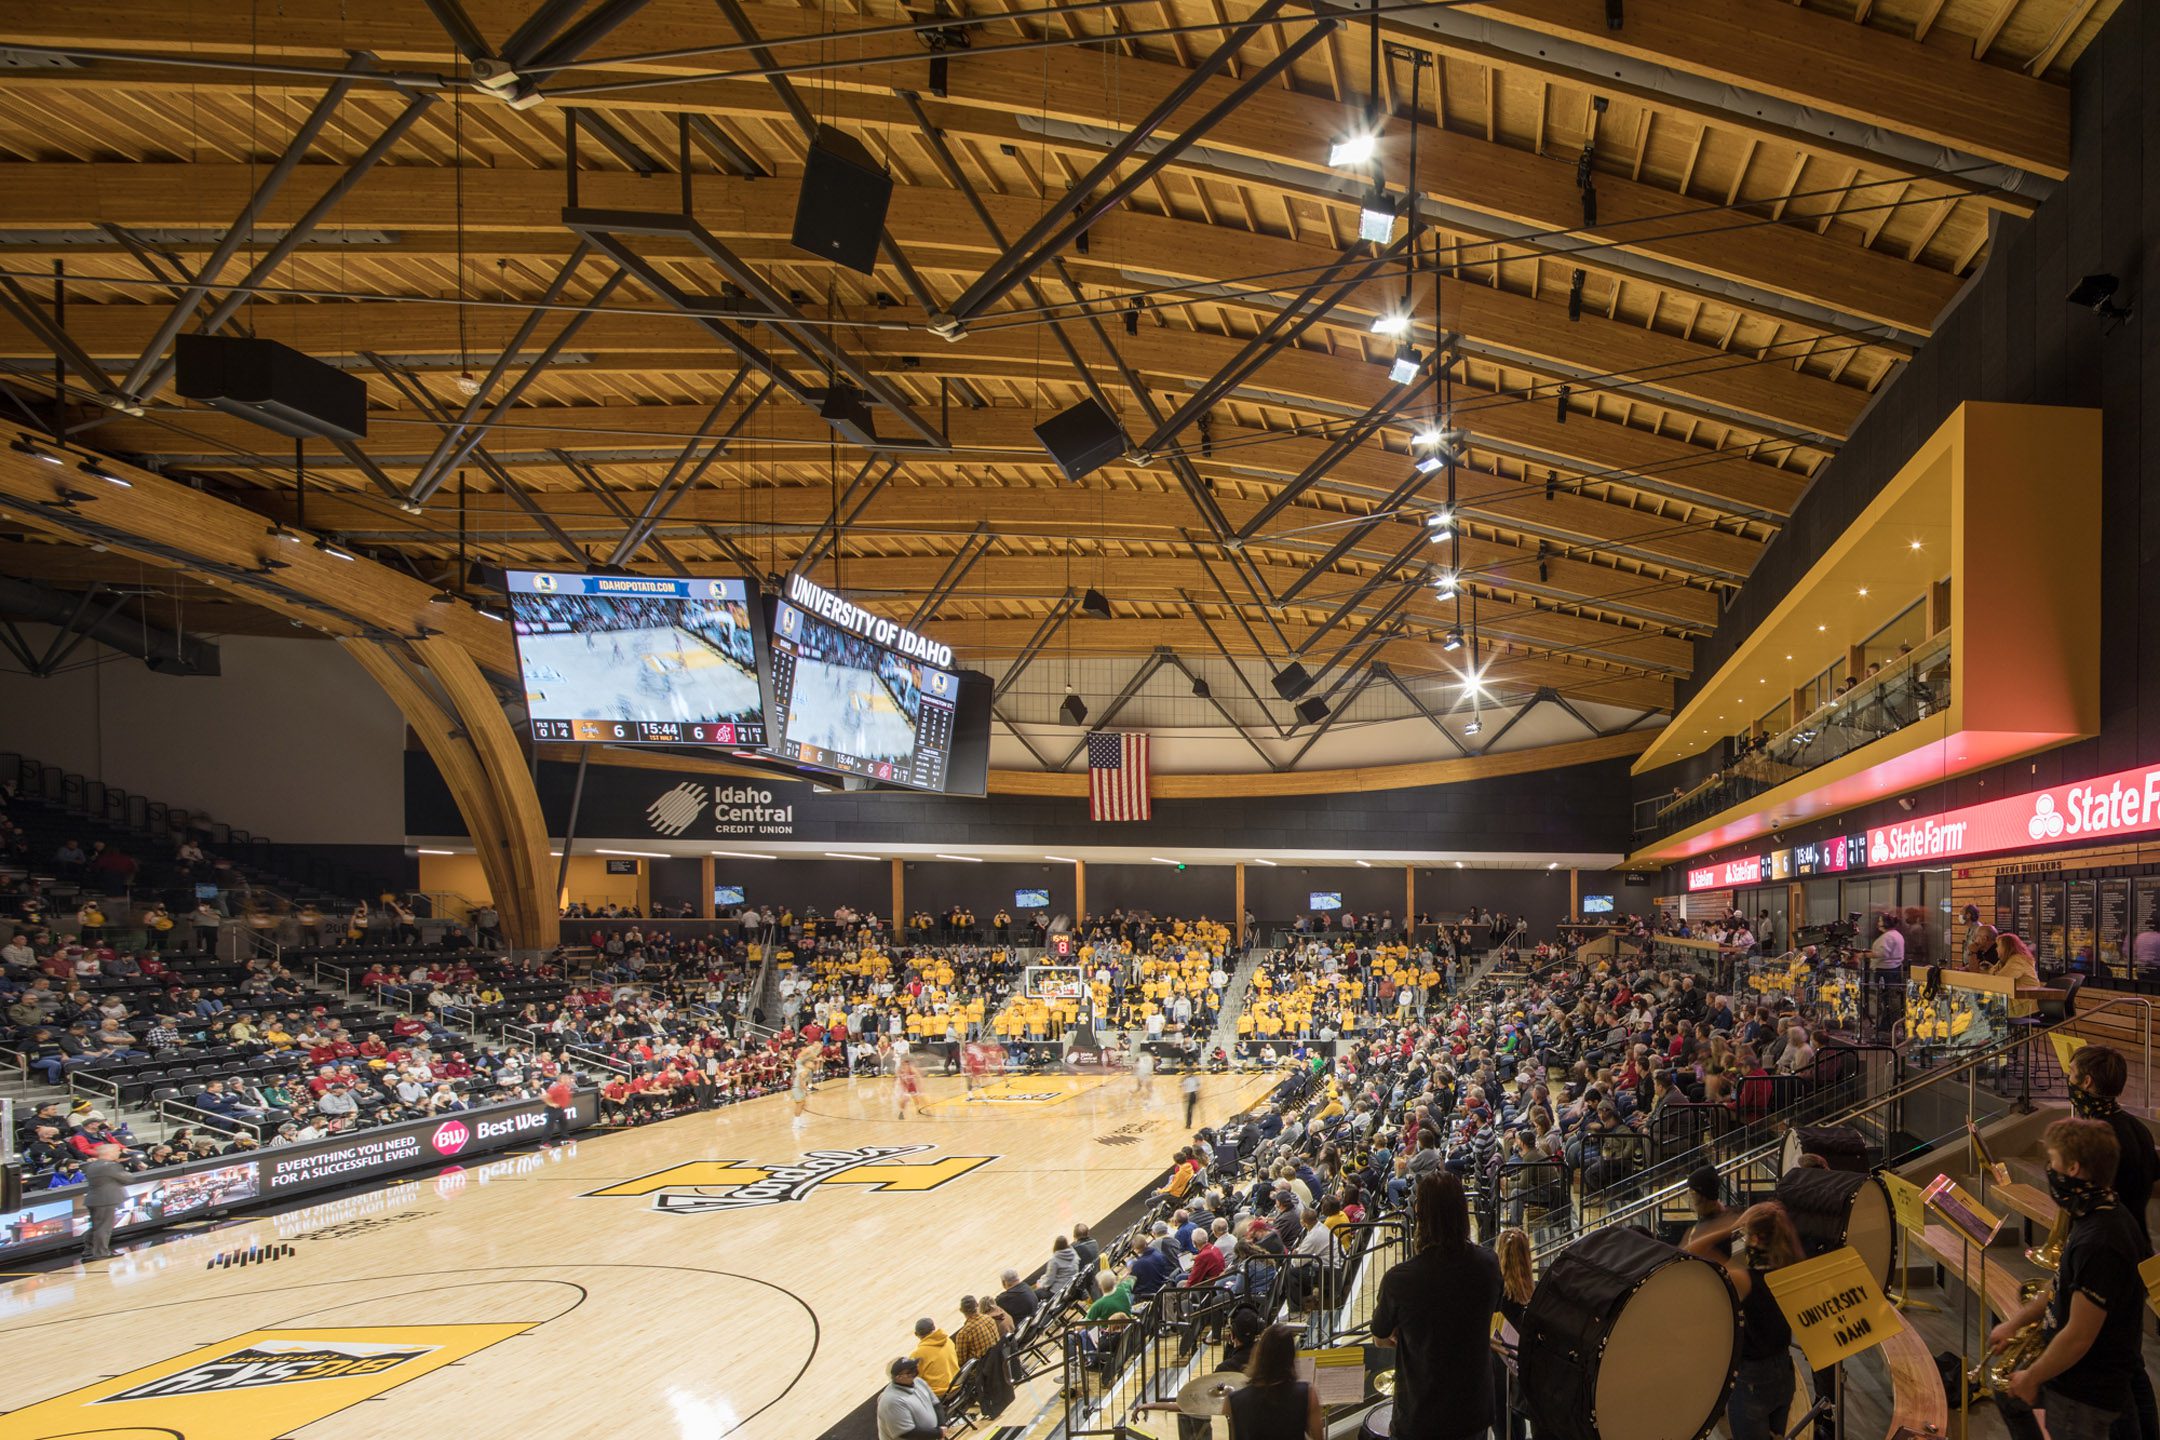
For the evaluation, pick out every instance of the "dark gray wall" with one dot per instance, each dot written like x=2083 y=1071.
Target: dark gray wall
x=1579 y=808
x=1282 y=893
x=795 y=884
x=938 y=885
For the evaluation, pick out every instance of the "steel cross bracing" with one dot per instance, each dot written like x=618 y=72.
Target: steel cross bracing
x=1377 y=415
x=145 y=381
x=592 y=482
x=1176 y=662
x=611 y=231
x=1327 y=721
x=1387 y=673
x=1189 y=480
x=18 y=302
x=1054 y=621
x=1509 y=724
x=1372 y=582
x=1554 y=697
x=1104 y=187
x=1140 y=677
x=459 y=445
x=807 y=122
x=1355 y=535
x=848 y=507
x=683 y=474
x=228 y=245
x=1229 y=659
x=408 y=385
x=972 y=549
x=438 y=465
x=1283 y=329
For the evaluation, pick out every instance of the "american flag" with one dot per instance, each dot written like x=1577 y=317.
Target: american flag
x=1117 y=776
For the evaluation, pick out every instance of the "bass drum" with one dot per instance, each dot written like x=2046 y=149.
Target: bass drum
x=1831 y=1208
x=1628 y=1338
x=1840 y=1146
x=1379 y=1422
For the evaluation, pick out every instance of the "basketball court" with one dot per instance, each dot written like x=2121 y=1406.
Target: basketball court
x=679 y=676
x=722 y=1274
x=847 y=709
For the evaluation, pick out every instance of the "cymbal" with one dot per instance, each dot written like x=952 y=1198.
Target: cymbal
x=1203 y=1394
x=1383 y=1382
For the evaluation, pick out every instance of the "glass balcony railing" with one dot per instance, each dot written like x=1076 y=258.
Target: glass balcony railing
x=1903 y=692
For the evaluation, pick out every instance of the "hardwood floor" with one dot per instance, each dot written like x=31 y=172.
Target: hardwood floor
x=724 y=1274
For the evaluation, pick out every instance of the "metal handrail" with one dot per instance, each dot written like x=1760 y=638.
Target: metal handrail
x=597 y=1058
x=210 y=1118
x=1654 y=1203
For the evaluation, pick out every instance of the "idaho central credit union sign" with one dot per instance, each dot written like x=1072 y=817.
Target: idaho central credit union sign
x=2126 y=803
x=738 y=810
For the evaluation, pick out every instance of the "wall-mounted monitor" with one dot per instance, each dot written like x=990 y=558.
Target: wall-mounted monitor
x=1597 y=905
x=844 y=703
x=1031 y=899
x=728 y=895
x=639 y=660
x=622 y=867
x=1324 y=900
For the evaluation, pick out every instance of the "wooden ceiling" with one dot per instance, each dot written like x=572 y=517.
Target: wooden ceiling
x=1787 y=196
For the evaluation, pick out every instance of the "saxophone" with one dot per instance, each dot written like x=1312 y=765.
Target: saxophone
x=1992 y=1375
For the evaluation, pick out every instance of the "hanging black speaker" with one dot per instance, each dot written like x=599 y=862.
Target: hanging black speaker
x=1292 y=681
x=1095 y=605
x=1082 y=439
x=1076 y=711
x=1312 y=711
x=840 y=211
x=272 y=385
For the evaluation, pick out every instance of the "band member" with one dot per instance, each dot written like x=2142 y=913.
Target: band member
x=1436 y=1309
x=1762 y=1391
x=2094 y=1311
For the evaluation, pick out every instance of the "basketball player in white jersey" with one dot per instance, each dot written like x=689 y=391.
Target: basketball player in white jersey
x=806 y=1068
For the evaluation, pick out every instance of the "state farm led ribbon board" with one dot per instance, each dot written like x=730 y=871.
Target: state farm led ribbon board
x=2125 y=803
x=1747 y=870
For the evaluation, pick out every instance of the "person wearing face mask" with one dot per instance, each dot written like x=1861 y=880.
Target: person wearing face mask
x=1762 y=1390
x=2084 y=1379
x=2097 y=1076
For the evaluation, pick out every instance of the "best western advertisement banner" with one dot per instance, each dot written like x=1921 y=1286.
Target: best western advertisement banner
x=2112 y=806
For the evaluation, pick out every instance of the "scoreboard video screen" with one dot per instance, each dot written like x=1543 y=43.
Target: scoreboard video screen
x=639 y=660
x=846 y=704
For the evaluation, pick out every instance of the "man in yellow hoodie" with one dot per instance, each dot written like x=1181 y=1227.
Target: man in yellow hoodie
x=935 y=1356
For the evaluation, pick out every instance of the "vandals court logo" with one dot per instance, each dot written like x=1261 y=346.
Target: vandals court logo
x=274 y=1362
x=676 y=810
x=704 y=1186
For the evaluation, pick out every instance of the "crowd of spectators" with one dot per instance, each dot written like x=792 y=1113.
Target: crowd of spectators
x=1526 y=1090
x=255 y=1055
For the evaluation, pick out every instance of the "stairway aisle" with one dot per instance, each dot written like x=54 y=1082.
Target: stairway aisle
x=1233 y=1001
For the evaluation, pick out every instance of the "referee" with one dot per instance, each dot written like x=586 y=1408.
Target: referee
x=108 y=1187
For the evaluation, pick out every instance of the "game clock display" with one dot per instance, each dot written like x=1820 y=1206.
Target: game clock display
x=854 y=707
x=638 y=660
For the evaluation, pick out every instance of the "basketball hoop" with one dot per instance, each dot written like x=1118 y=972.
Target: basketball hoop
x=1054 y=982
